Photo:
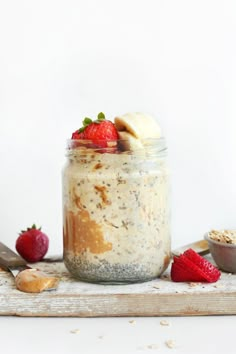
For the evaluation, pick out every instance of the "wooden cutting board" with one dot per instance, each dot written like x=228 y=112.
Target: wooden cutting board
x=159 y=297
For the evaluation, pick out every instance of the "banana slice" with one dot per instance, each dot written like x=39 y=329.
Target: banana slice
x=128 y=142
x=140 y=125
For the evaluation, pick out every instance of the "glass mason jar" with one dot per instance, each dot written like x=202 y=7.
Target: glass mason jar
x=116 y=226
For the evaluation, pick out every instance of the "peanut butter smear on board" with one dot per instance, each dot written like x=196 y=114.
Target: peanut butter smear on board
x=35 y=281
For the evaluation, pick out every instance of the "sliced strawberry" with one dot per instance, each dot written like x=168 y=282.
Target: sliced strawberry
x=211 y=273
x=191 y=271
x=190 y=266
x=180 y=274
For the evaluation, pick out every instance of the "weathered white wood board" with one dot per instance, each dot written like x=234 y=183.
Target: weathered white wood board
x=160 y=297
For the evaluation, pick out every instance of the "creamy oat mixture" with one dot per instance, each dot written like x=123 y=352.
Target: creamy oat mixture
x=116 y=217
x=225 y=236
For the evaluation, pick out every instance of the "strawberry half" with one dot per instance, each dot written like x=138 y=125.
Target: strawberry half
x=190 y=266
x=101 y=132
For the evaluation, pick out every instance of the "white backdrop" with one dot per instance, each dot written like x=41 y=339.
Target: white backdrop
x=61 y=60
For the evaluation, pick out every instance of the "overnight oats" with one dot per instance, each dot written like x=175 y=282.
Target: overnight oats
x=116 y=225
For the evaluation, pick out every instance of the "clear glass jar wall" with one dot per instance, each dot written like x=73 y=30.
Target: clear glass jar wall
x=116 y=226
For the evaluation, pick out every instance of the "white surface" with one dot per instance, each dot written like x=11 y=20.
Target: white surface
x=63 y=59
x=53 y=335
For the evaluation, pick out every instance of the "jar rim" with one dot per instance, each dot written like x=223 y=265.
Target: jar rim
x=158 y=144
x=146 y=148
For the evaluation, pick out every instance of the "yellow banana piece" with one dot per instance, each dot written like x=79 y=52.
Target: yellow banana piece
x=139 y=125
x=129 y=142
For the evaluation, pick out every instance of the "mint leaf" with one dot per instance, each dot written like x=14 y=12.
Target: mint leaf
x=87 y=121
x=101 y=116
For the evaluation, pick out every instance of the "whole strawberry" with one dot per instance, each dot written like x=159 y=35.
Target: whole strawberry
x=32 y=244
x=101 y=131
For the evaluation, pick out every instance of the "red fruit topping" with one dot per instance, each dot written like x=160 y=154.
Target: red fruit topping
x=77 y=135
x=32 y=244
x=181 y=272
x=190 y=266
x=99 y=131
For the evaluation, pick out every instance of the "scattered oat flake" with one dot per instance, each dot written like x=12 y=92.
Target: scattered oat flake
x=193 y=284
x=132 y=322
x=218 y=286
x=164 y=323
x=156 y=286
x=75 y=331
x=170 y=344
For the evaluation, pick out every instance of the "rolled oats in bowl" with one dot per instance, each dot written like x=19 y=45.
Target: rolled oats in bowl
x=225 y=236
x=222 y=246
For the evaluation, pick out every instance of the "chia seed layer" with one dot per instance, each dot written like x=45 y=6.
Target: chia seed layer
x=110 y=273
